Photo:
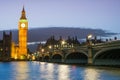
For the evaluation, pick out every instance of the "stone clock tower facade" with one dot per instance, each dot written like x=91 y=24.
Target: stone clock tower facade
x=22 y=35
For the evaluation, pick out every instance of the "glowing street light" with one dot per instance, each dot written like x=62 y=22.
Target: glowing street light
x=63 y=42
x=89 y=36
x=50 y=47
x=42 y=50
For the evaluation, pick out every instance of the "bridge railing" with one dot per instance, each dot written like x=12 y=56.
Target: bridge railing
x=106 y=45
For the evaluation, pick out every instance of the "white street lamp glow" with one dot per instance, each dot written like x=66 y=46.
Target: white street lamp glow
x=50 y=47
x=63 y=42
x=42 y=50
x=90 y=36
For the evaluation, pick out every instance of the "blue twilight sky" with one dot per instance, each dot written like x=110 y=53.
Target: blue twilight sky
x=103 y=14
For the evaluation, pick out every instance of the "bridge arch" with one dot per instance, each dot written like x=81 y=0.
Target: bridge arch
x=77 y=52
x=39 y=58
x=76 y=57
x=108 y=56
x=57 y=57
x=46 y=58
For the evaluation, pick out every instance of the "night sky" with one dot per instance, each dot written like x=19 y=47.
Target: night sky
x=102 y=14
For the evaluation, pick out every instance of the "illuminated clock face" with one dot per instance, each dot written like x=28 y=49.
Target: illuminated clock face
x=23 y=25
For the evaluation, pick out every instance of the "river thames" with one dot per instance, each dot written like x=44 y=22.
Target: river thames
x=50 y=71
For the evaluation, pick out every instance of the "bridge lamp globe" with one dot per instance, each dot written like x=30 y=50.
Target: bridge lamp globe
x=89 y=36
x=42 y=50
x=50 y=47
x=63 y=42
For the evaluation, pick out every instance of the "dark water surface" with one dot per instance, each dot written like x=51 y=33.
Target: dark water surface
x=50 y=71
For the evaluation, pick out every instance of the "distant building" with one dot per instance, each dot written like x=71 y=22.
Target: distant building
x=59 y=44
x=5 y=46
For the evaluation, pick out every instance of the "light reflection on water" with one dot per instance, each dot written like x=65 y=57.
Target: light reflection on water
x=92 y=74
x=63 y=72
x=20 y=71
x=50 y=71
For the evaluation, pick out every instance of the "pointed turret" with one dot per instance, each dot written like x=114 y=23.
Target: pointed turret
x=23 y=16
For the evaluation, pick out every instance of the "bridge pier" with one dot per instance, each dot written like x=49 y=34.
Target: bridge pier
x=90 y=59
x=63 y=60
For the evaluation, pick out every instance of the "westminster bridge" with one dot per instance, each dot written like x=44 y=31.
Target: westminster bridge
x=107 y=53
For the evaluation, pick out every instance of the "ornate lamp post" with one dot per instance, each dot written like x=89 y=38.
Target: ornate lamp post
x=42 y=51
x=89 y=37
x=63 y=51
x=63 y=43
x=51 y=51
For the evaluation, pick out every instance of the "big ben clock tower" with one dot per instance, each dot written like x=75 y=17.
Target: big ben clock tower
x=22 y=35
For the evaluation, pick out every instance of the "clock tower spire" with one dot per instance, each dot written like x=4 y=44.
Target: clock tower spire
x=23 y=15
x=22 y=35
